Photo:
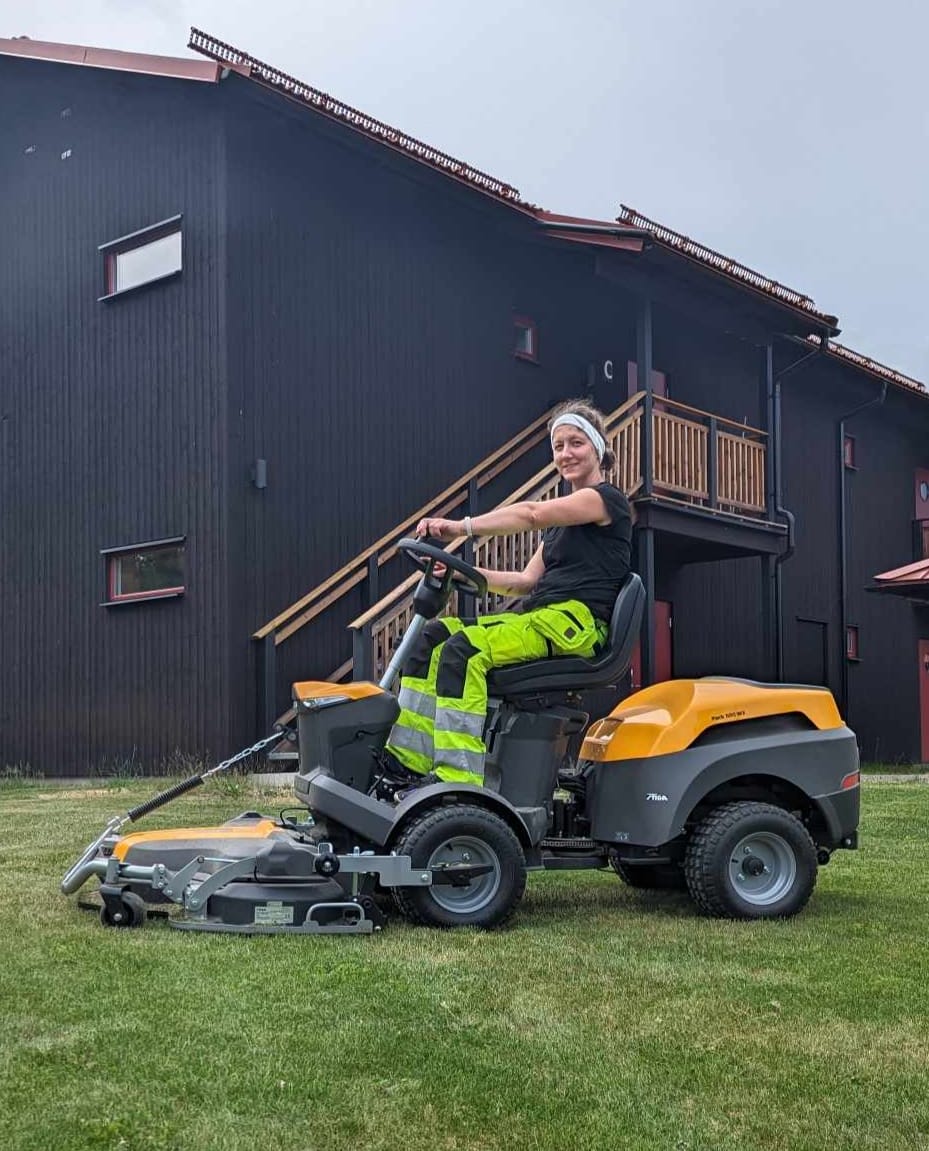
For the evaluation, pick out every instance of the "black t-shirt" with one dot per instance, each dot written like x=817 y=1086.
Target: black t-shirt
x=587 y=561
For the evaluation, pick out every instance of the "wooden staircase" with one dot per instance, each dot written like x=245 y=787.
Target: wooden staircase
x=697 y=459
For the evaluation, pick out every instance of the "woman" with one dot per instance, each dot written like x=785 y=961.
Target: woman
x=569 y=585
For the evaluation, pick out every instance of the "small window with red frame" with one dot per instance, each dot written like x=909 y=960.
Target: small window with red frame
x=851 y=643
x=526 y=341
x=145 y=571
x=848 y=451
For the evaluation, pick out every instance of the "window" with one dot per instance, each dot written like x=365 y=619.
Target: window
x=143 y=257
x=848 y=451
x=851 y=643
x=145 y=571
x=526 y=346
x=924 y=540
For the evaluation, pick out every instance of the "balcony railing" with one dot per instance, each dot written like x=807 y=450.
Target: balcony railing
x=697 y=458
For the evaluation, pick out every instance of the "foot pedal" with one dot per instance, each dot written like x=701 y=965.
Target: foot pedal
x=564 y=844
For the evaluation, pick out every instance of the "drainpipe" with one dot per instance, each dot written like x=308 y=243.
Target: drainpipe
x=843 y=546
x=774 y=423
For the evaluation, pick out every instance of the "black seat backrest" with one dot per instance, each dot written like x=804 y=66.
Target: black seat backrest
x=571 y=673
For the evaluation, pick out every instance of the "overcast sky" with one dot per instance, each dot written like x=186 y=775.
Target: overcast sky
x=792 y=135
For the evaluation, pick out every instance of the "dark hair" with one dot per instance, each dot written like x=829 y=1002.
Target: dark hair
x=593 y=416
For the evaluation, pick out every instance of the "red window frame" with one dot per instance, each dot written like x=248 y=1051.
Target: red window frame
x=523 y=325
x=851 y=642
x=113 y=556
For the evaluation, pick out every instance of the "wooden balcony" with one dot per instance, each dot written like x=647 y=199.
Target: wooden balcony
x=697 y=481
x=705 y=493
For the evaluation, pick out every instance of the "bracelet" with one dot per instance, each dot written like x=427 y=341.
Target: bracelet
x=469 y=531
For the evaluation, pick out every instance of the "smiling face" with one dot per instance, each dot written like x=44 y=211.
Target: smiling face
x=575 y=457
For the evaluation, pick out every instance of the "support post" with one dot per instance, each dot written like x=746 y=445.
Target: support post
x=770 y=418
x=643 y=361
x=362 y=656
x=467 y=607
x=712 y=463
x=646 y=567
x=373 y=588
x=769 y=621
x=266 y=669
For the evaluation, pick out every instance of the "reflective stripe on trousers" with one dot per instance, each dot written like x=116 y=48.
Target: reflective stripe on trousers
x=444 y=701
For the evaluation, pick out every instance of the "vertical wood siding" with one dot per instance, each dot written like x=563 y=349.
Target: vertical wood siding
x=372 y=347
x=113 y=420
x=346 y=316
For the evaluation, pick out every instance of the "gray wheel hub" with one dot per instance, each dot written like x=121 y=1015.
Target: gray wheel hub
x=762 y=868
x=466 y=849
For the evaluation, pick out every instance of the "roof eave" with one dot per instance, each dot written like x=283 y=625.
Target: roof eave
x=168 y=66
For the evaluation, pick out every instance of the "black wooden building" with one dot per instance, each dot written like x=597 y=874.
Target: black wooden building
x=247 y=331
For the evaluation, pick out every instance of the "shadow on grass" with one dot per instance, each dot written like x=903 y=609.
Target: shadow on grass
x=601 y=893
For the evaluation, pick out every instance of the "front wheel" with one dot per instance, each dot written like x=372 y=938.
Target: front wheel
x=468 y=835
x=750 y=860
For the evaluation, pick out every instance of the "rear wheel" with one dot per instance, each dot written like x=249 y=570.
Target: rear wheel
x=466 y=835
x=750 y=860
x=649 y=876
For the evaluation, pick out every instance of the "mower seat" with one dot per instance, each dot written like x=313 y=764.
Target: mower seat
x=572 y=673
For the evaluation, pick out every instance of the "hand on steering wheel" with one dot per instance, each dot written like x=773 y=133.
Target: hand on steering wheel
x=434 y=527
x=461 y=575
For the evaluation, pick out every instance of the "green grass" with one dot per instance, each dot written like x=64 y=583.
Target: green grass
x=601 y=1018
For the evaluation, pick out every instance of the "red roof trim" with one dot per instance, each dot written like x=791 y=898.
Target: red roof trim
x=600 y=240
x=909 y=573
x=109 y=58
x=360 y=121
x=720 y=263
x=891 y=375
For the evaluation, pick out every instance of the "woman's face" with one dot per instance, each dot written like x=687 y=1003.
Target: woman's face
x=574 y=455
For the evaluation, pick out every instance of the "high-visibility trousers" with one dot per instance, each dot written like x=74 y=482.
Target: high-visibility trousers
x=443 y=690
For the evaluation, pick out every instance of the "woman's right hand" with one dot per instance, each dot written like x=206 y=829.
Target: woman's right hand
x=439 y=529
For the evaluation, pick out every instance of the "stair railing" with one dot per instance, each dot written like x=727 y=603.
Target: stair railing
x=698 y=458
x=376 y=632
x=363 y=571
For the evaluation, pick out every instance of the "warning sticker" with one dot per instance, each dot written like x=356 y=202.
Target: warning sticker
x=275 y=914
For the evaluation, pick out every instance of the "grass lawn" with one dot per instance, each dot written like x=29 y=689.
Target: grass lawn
x=601 y=1018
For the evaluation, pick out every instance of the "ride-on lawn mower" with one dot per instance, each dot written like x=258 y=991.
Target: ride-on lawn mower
x=733 y=790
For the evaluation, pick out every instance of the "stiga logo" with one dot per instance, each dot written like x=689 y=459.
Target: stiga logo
x=727 y=715
x=656 y=797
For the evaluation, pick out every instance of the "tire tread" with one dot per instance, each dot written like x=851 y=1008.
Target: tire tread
x=706 y=883
x=409 y=901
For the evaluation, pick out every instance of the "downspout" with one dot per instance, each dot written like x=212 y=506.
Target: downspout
x=774 y=416
x=843 y=547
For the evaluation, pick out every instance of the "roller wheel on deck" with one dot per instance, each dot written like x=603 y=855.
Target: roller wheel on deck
x=131 y=913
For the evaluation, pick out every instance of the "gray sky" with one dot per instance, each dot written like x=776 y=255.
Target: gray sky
x=792 y=135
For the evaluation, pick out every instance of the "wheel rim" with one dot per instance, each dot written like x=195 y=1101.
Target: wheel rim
x=481 y=890
x=762 y=868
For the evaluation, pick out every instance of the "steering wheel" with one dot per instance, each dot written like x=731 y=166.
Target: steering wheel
x=462 y=576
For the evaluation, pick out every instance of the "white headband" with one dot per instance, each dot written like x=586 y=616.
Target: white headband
x=586 y=427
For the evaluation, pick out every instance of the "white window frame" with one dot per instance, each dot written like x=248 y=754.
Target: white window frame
x=162 y=242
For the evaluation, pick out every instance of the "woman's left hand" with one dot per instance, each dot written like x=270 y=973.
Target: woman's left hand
x=439 y=529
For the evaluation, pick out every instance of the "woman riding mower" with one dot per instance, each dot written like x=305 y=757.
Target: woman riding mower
x=569 y=588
